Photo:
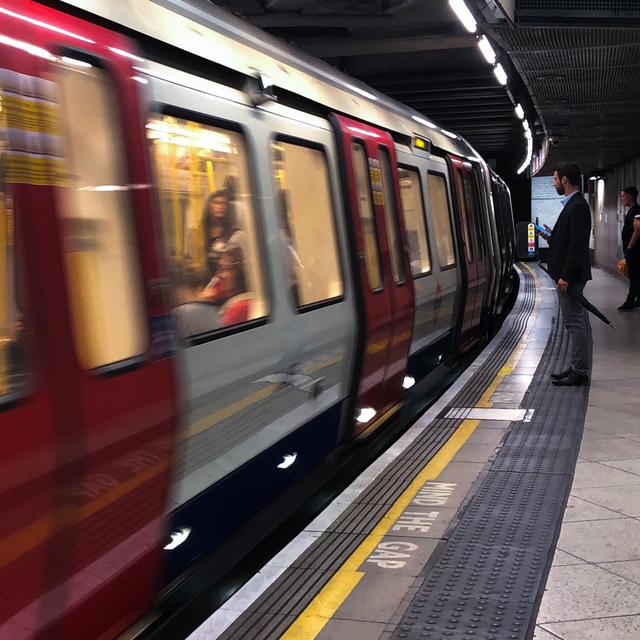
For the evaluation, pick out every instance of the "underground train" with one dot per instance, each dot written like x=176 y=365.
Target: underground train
x=222 y=265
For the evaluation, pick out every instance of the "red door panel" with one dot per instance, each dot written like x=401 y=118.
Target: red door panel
x=403 y=295
x=111 y=429
x=469 y=221
x=28 y=458
x=388 y=301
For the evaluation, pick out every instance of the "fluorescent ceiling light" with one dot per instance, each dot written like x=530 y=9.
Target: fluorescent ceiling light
x=529 y=157
x=487 y=50
x=464 y=15
x=524 y=165
x=520 y=111
x=500 y=74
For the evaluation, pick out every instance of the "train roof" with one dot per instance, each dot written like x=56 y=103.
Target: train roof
x=209 y=32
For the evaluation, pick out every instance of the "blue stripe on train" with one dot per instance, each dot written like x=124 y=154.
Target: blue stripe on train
x=218 y=511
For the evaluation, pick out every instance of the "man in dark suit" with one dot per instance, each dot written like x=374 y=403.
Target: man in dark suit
x=629 y=198
x=570 y=267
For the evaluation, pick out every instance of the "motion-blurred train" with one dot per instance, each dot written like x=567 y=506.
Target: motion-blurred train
x=222 y=263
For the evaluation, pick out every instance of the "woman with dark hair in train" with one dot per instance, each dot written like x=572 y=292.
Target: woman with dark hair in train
x=219 y=228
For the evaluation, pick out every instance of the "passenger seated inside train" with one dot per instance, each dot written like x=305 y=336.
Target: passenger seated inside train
x=192 y=314
x=220 y=229
x=211 y=237
x=228 y=289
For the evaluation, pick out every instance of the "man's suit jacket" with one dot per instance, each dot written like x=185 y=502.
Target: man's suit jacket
x=568 y=256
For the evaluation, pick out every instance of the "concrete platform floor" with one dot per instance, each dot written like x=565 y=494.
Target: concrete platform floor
x=593 y=589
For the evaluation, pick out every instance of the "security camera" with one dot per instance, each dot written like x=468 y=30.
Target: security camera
x=554 y=141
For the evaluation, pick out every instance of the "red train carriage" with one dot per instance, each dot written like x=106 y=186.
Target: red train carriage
x=88 y=388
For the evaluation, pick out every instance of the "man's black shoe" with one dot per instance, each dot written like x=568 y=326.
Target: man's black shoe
x=562 y=374
x=628 y=306
x=572 y=380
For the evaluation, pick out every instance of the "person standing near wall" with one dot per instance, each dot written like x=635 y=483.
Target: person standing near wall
x=631 y=248
x=570 y=267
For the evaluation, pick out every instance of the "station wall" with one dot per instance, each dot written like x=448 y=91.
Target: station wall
x=609 y=213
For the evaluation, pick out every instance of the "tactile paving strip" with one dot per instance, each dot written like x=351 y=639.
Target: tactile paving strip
x=274 y=611
x=486 y=582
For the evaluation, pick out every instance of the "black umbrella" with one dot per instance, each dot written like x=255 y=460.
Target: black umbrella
x=589 y=306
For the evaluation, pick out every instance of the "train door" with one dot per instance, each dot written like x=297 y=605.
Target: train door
x=106 y=333
x=498 y=205
x=264 y=309
x=427 y=218
x=321 y=300
x=440 y=219
x=120 y=329
x=383 y=268
x=28 y=457
x=487 y=219
x=474 y=248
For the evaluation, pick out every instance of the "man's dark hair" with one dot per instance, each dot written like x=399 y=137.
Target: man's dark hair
x=571 y=172
x=632 y=191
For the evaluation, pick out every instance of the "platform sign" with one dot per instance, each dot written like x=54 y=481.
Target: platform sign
x=531 y=239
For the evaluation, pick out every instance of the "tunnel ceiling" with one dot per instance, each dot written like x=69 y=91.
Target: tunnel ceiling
x=576 y=63
x=581 y=61
x=415 y=51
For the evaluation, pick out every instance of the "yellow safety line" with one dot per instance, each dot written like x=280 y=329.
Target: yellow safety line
x=506 y=370
x=322 y=608
x=312 y=620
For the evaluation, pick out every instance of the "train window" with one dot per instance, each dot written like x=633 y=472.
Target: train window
x=208 y=223
x=391 y=215
x=307 y=223
x=101 y=259
x=484 y=239
x=464 y=214
x=473 y=213
x=441 y=216
x=367 y=219
x=12 y=332
x=414 y=220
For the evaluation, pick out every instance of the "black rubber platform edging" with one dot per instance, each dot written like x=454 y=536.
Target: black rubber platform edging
x=486 y=581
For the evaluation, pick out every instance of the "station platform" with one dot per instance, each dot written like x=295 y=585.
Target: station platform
x=455 y=530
